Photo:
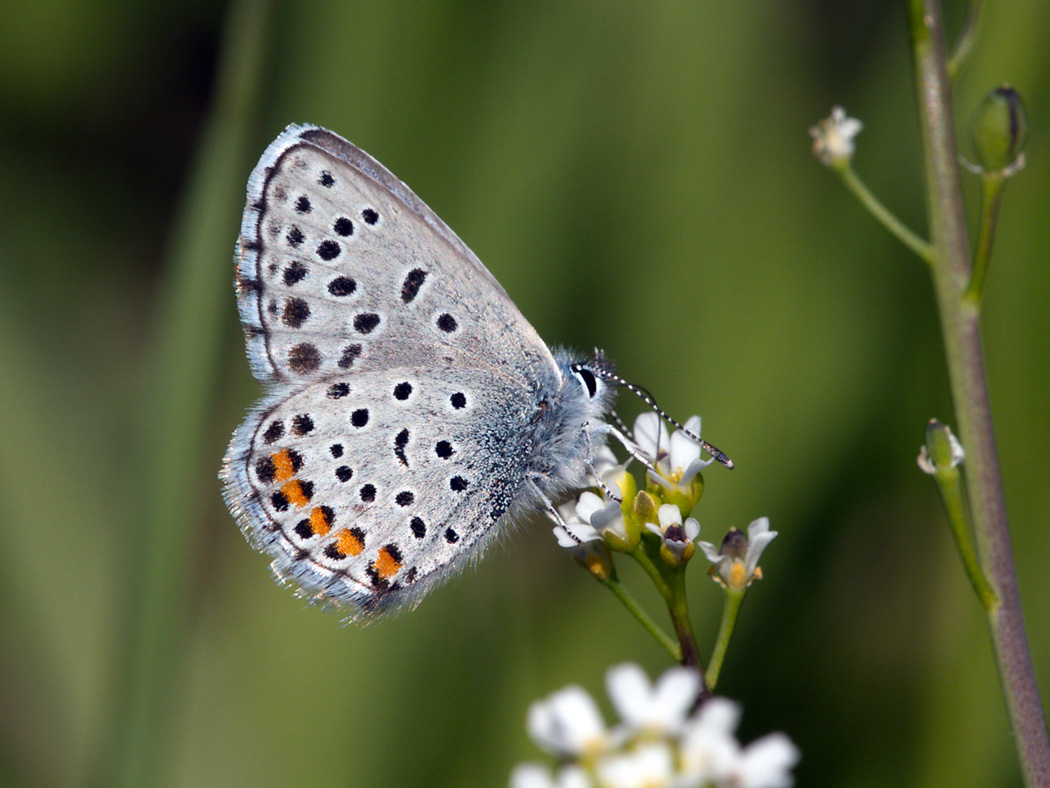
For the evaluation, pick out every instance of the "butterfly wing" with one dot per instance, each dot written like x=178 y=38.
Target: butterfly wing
x=340 y=266
x=403 y=381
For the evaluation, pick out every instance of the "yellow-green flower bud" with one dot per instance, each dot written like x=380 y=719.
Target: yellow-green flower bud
x=645 y=508
x=999 y=129
x=627 y=486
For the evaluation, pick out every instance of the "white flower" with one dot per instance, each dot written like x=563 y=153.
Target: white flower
x=737 y=558
x=709 y=749
x=603 y=514
x=711 y=753
x=648 y=766
x=582 y=539
x=575 y=530
x=833 y=137
x=534 y=775
x=676 y=456
x=567 y=723
x=766 y=763
x=661 y=742
x=659 y=709
x=676 y=537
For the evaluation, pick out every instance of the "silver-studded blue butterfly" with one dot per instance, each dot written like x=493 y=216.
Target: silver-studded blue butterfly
x=411 y=410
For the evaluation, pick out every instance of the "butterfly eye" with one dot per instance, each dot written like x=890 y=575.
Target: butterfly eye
x=586 y=378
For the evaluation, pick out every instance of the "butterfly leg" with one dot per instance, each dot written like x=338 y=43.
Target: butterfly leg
x=606 y=490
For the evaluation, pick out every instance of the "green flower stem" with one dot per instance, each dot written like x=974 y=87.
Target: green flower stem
x=671 y=585
x=964 y=46
x=896 y=227
x=734 y=598
x=965 y=358
x=948 y=482
x=991 y=198
x=651 y=569
x=679 y=610
x=629 y=602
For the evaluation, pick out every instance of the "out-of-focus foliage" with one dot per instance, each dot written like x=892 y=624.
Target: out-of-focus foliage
x=638 y=176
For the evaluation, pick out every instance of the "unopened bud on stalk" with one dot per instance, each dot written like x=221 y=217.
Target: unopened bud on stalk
x=1000 y=129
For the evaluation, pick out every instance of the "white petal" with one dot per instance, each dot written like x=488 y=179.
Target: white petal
x=564 y=540
x=574 y=534
x=648 y=766
x=604 y=461
x=650 y=434
x=588 y=504
x=692 y=469
x=669 y=515
x=572 y=777
x=719 y=714
x=692 y=529
x=926 y=462
x=568 y=511
x=958 y=454
x=610 y=520
x=683 y=450
x=767 y=763
x=711 y=551
x=535 y=775
x=658 y=479
x=674 y=696
x=629 y=690
x=757 y=527
x=617 y=478
x=531 y=775
x=709 y=747
x=758 y=537
x=566 y=723
x=655 y=529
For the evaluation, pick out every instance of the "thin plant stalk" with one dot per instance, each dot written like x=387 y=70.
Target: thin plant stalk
x=730 y=611
x=629 y=602
x=962 y=338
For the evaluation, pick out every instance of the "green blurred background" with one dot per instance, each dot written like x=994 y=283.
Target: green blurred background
x=638 y=176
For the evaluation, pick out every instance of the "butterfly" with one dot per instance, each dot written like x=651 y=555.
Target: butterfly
x=411 y=412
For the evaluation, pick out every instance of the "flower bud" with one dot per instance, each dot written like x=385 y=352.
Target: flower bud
x=596 y=559
x=942 y=450
x=626 y=483
x=645 y=508
x=833 y=138
x=999 y=129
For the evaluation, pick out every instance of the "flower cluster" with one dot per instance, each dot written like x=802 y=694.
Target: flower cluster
x=618 y=518
x=662 y=739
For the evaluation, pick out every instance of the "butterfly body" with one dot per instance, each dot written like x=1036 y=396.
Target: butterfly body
x=412 y=411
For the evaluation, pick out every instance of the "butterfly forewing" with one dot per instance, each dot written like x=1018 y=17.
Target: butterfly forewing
x=342 y=267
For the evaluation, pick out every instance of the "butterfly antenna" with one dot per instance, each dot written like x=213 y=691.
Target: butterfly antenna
x=650 y=400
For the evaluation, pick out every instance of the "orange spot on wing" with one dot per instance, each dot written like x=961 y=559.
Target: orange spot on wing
x=386 y=565
x=282 y=462
x=348 y=544
x=319 y=522
x=295 y=494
